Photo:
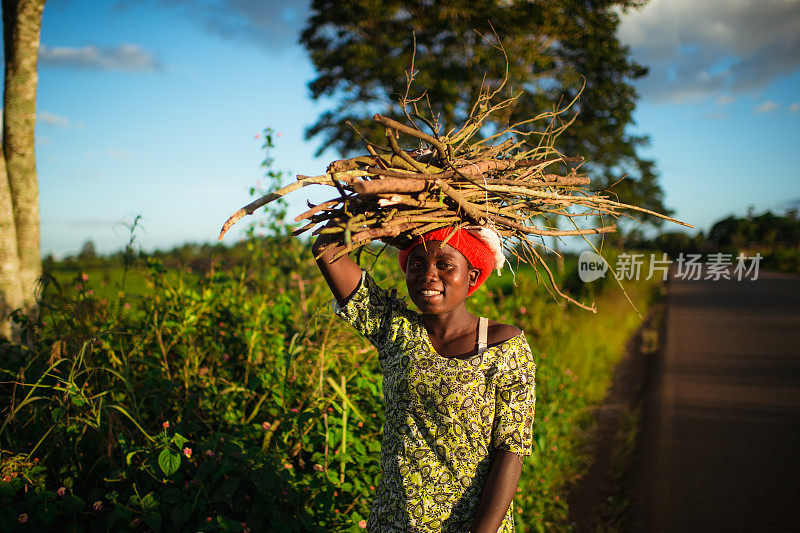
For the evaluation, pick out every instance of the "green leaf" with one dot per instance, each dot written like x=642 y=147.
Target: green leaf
x=169 y=461
x=179 y=440
x=149 y=502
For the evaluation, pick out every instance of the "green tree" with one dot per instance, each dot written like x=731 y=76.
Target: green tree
x=20 y=260
x=362 y=50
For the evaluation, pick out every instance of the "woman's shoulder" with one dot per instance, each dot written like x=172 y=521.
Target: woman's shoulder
x=500 y=333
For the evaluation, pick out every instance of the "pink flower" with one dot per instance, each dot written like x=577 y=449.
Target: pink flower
x=209 y=453
x=361 y=424
x=61 y=491
x=90 y=291
x=295 y=410
x=266 y=426
x=318 y=468
x=362 y=524
x=225 y=357
x=22 y=518
x=85 y=277
x=126 y=305
x=554 y=447
x=97 y=506
x=522 y=310
x=187 y=452
x=288 y=466
x=165 y=425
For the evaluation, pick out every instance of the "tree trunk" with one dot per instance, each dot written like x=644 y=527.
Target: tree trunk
x=22 y=21
x=10 y=287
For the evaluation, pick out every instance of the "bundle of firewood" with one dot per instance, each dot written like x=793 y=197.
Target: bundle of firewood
x=515 y=182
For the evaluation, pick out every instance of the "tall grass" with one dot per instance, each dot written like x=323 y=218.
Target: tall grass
x=235 y=400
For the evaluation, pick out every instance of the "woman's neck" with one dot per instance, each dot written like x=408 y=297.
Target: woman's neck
x=448 y=325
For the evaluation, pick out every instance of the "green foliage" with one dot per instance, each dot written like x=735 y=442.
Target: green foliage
x=363 y=49
x=236 y=397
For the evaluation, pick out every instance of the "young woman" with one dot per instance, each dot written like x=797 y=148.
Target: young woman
x=458 y=389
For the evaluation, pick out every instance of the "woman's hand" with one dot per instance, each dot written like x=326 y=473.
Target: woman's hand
x=343 y=275
x=498 y=492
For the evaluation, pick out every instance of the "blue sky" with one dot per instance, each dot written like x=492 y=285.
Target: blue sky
x=152 y=108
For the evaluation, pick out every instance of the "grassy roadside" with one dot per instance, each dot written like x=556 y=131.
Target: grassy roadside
x=601 y=500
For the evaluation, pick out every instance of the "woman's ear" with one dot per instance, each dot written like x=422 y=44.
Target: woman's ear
x=473 y=276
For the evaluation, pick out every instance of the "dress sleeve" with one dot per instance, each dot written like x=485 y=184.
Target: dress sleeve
x=515 y=399
x=368 y=310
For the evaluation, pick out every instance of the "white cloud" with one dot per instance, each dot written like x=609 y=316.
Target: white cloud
x=794 y=108
x=767 y=106
x=126 y=57
x=697 y=48
x=53 y=119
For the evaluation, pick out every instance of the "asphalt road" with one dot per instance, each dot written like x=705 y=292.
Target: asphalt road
x=720 y=443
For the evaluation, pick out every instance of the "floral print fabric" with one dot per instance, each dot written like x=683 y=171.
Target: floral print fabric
x=446 y=418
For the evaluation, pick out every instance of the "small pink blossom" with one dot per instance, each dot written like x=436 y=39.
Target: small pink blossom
x=225 y=357
x=165 y=425
x=61 y=491
x=97 y=506
x=362 y=524
x=522 y=310
x=126 y=305
x=294 y=410
x=22 y=518
x=85 y=277
x=209 y=453
x=187 y=452
x=361 y=424
x=318 y=467
x=288 y=466
x=554 y=448
x=266 y=426
x=90 y=291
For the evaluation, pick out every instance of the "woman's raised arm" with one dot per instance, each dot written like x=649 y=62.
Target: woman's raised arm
x=343 y=275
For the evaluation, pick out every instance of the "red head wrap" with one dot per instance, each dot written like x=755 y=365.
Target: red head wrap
x=477 y=252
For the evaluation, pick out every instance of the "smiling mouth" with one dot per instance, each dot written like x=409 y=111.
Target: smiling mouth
x=430 y=292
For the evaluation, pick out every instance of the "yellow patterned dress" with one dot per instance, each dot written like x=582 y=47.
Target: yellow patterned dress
x=445 y=418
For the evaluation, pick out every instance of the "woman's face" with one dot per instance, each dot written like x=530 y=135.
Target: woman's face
x=438 y=277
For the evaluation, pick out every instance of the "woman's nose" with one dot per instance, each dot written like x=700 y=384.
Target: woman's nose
x=430 y=272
